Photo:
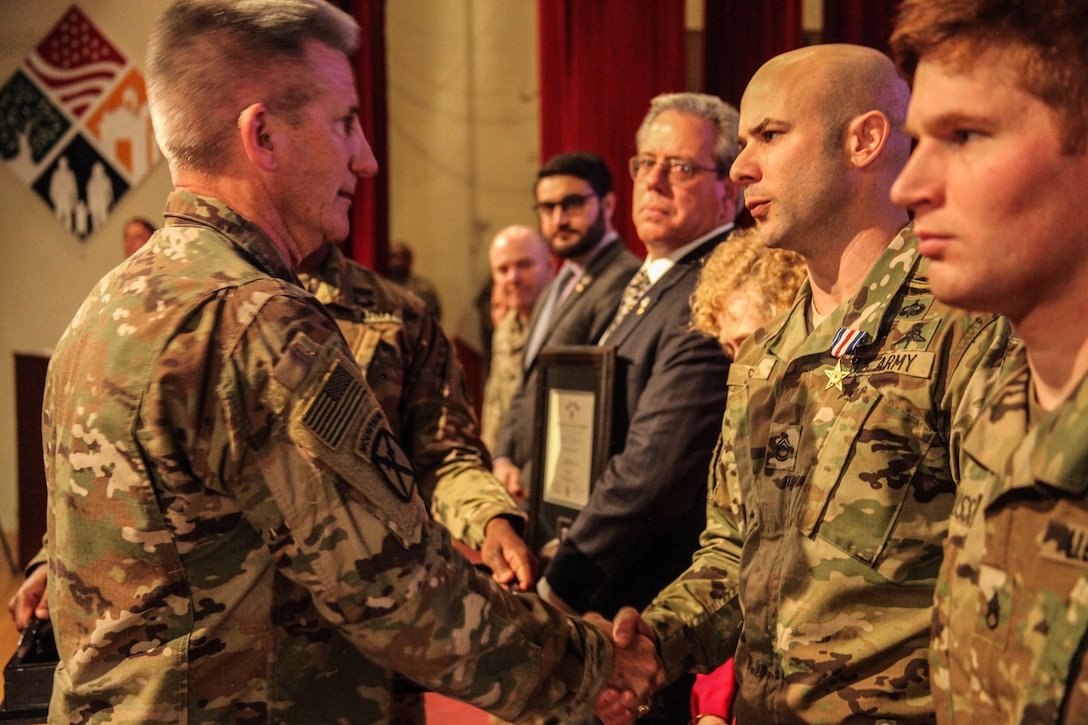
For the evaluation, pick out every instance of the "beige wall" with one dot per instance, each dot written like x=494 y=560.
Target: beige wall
x=463 y=147
x=463 y=117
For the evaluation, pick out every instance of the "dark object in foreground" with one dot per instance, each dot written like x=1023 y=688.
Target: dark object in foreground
x=28 y=676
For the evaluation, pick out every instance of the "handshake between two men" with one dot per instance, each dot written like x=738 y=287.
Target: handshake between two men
x=637 y=672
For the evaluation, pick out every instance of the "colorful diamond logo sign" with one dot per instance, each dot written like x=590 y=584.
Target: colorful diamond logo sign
x=74 y=124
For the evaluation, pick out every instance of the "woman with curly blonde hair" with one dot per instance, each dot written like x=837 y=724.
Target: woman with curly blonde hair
x=743 y=284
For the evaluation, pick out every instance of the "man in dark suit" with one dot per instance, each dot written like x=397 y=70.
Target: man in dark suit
x=646 y=511
x=575 y=204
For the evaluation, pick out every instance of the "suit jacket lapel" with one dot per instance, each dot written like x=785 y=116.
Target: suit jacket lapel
x=687 y=265
x=612 y=250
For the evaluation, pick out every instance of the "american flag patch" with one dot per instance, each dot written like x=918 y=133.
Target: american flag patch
x=335 y=405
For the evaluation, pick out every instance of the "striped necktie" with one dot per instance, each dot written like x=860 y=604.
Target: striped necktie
x=631 y=295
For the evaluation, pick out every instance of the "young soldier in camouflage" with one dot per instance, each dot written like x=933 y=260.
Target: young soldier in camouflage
x=834 y=478
x=232 y=527
x=998 y=186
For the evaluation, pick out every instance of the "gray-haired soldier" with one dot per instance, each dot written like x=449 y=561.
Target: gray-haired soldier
x=232 y=527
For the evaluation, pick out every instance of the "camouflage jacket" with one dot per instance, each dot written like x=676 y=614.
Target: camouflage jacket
x=507 y=346
x=232 y=528
x=1009 y=641
x=413 y=370
x=827 y=506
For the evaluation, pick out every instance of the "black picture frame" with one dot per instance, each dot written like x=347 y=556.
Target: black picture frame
x=571 y=444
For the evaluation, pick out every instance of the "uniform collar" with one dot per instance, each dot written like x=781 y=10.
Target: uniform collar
x=865 y=311
x=184 y=208
x=1050 y=453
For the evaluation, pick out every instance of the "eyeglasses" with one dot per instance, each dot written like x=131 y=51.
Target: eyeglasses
x=679 y=171
x=569 y=203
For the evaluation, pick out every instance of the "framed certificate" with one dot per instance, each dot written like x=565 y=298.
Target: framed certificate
x=572 y=437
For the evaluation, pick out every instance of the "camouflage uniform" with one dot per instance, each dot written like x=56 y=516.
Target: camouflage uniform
x=1009 y=641
x=507 y=346
x=827 y=508
x=414 y=372
x=232 y=528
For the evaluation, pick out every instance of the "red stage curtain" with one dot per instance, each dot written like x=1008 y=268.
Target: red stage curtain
x=864 y=22
x=740 y=37
x=369 y=241
x=601 y=61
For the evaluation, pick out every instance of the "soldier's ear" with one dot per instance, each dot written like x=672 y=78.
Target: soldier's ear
x=255 y=130
x=866 y=137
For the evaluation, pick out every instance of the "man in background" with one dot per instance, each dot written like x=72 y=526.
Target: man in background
x=575 y=204
x=401 y=271
x=997 y=185
x=520 y=270
x=135 y=234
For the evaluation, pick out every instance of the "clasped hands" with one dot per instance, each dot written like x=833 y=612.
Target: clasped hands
x=637 y=672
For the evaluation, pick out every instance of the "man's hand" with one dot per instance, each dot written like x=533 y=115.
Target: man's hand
x=507 y=555
x=637 y=671
x=31 y=600
x=510 y=475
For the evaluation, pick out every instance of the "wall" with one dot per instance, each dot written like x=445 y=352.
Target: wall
x=463 y=148
x=46 y=272
x=463 y=134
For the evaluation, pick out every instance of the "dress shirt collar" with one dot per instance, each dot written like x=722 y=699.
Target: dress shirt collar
x=656 y=268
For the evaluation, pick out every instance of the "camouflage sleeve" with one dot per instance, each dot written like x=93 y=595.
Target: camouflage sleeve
x=42 y=557
x=440 y=425
x=697 y=617
x=980 y=354
x=317 y=472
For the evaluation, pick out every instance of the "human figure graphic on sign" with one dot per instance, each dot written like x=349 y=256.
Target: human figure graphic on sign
x=63 y=192
x=99 y=195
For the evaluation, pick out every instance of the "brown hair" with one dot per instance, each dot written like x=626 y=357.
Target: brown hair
x=771 y=277
x=1046 y=41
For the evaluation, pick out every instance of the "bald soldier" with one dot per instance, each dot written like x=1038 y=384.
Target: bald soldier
x=833 y=481
x=521 y=267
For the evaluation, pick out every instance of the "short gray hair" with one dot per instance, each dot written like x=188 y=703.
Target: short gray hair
x=711 y=108
x=204 y=54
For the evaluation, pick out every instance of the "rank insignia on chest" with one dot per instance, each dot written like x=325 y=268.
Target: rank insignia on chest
x=782 y=445
x=844 y=343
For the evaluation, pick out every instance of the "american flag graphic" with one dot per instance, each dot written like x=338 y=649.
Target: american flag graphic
x=334 y=406
x=75 y=62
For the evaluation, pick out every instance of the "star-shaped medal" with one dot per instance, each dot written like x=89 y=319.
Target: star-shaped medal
x=836 y=375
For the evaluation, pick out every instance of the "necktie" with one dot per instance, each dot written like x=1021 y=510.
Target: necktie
x=542 y=324
x=631 y=295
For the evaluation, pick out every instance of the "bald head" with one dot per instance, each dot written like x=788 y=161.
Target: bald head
x=822 y=144
x=521 y=267
x=837 y=83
